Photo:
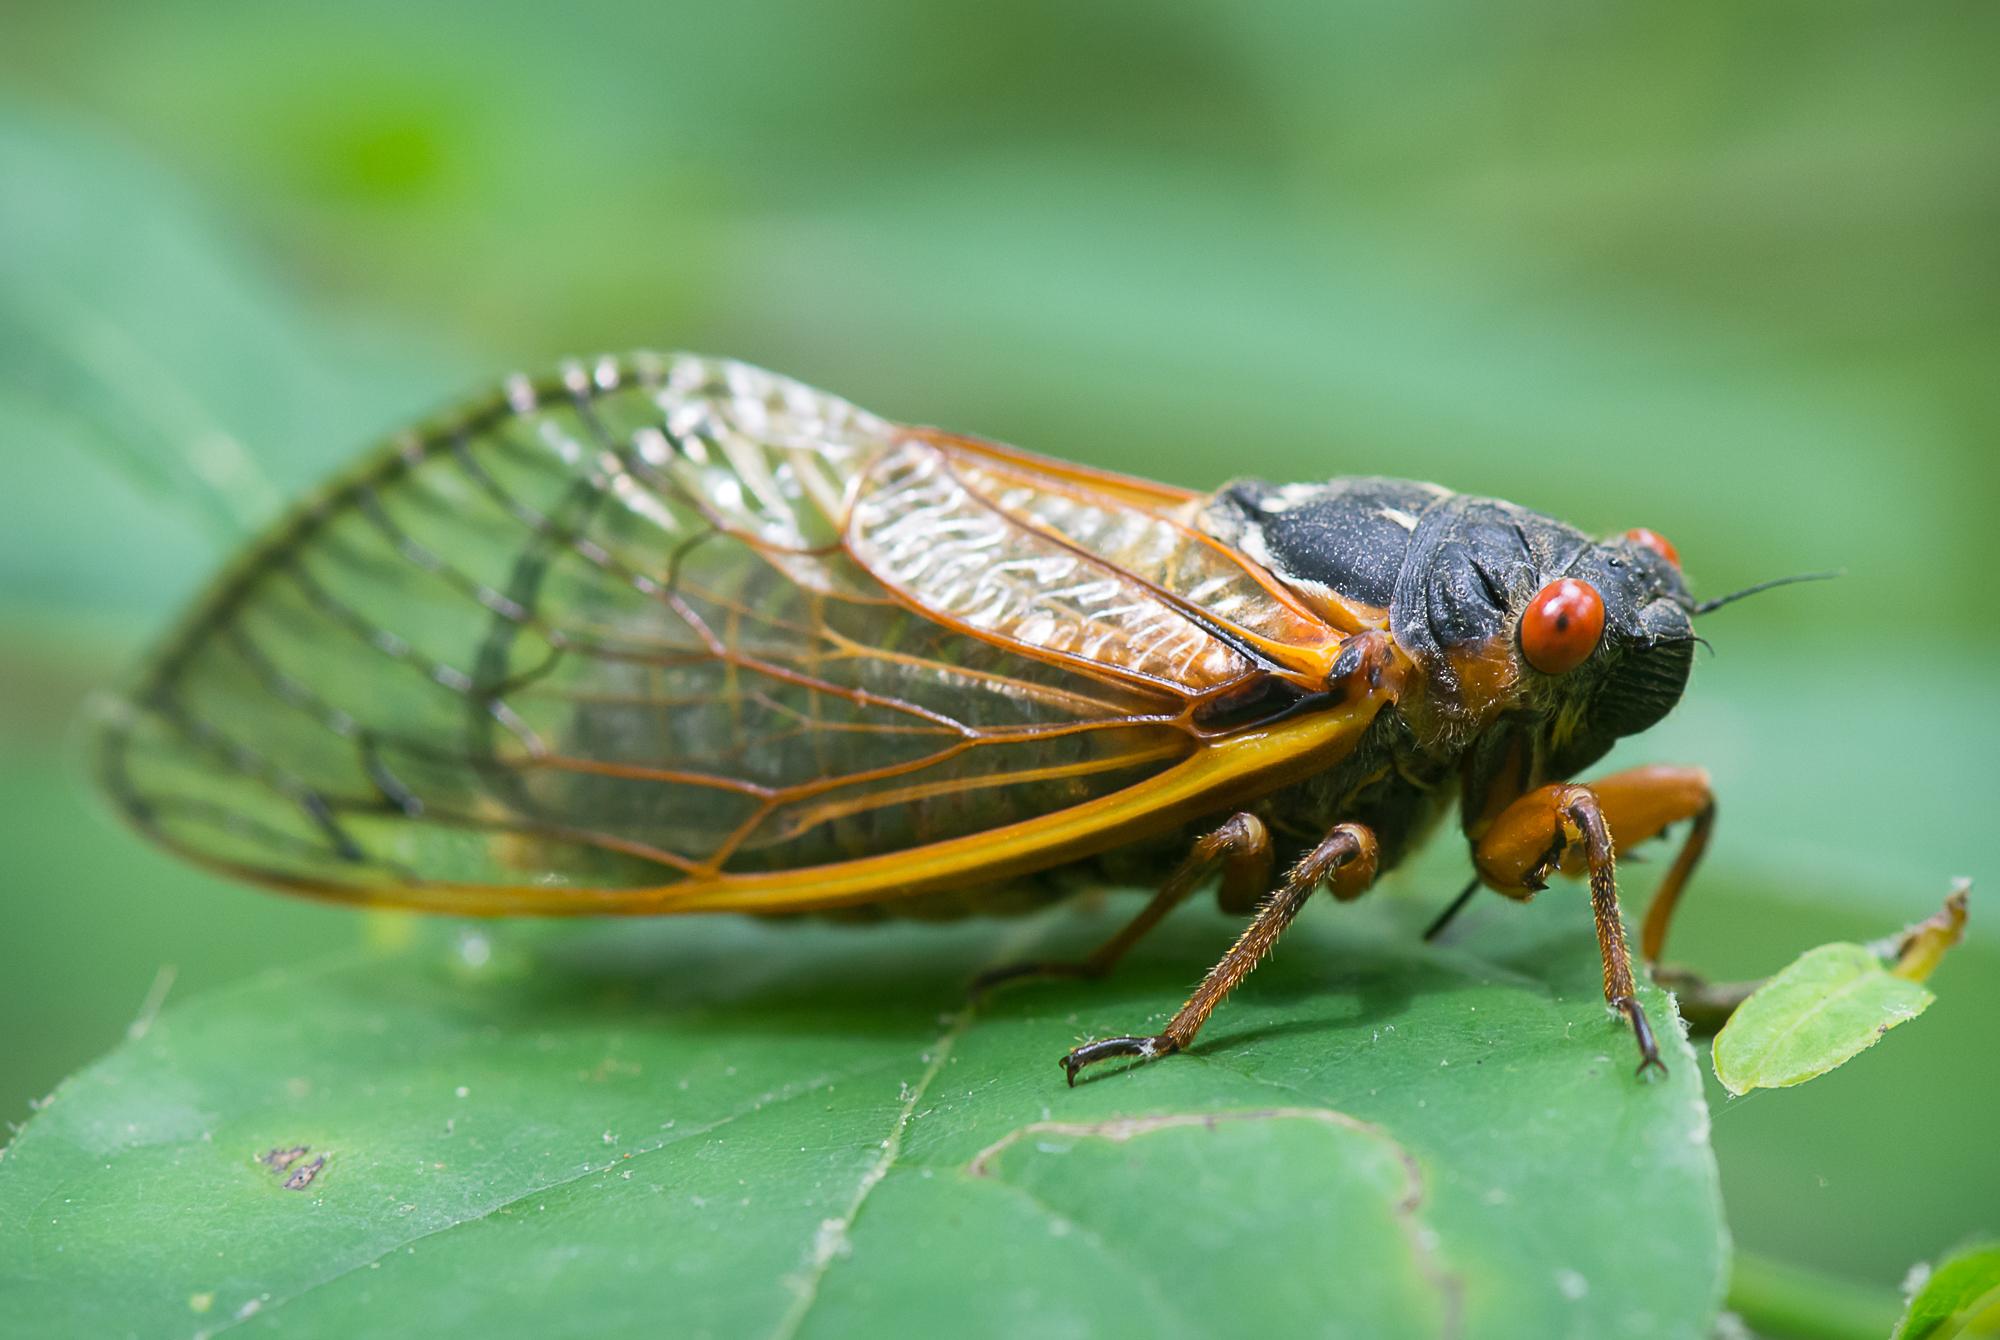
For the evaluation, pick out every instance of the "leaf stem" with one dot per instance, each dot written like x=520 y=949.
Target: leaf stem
x=1788 y=1302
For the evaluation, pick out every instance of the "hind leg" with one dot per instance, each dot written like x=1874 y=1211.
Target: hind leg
x=1242 y=846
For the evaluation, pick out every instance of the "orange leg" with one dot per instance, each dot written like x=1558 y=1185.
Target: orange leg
x=1642 y=802
x=1242 y=845
x=1579 y=829
x=1345 y=861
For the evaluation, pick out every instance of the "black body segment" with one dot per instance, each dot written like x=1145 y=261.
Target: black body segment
x=1350 y=536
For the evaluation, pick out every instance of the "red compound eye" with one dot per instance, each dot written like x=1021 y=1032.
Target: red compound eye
x=1562 y=626
x=1658 y=543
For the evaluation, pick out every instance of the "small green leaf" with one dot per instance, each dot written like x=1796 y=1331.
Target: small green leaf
x=1961 y=1298
x=1833 y=1002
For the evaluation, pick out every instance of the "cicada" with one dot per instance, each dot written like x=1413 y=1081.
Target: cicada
x=669 y=634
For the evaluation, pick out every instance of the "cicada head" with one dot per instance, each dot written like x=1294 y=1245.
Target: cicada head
x=1516 y=613
x=1637 y=669
x=1506 y=613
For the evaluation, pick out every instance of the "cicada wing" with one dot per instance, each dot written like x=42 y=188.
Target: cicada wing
x=1107 y=571
x=602 y=633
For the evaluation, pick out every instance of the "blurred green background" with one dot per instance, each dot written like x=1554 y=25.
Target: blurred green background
x=1728 y=270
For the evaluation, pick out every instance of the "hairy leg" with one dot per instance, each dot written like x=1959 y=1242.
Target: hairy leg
x=1346 y=860
x=1569 y=827
x=1243 y=847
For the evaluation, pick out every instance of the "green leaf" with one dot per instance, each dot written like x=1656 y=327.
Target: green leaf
x=1961 y=1298
x=1831 y=1003
x=749 y=1129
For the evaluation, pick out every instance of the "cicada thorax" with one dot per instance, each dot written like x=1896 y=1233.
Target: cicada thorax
x=1451 y=576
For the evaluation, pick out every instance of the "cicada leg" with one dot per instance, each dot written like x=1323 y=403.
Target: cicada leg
x=1529 y=840
x=1579 y=829
x=1345 y=861
x=1242 y=845
x=1639 y=804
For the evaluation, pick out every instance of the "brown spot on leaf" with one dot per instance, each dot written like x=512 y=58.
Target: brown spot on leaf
x=302 y=1179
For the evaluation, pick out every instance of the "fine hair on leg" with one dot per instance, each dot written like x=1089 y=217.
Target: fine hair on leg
x=1346 y=858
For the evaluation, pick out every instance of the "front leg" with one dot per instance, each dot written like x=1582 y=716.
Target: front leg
x=1639 y=804
x=1578 y=829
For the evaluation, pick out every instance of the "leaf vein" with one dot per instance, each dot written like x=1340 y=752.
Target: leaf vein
x=831 y=1239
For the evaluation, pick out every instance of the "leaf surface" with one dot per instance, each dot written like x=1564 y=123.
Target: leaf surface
x=1961 y=1298
x=743 y=1129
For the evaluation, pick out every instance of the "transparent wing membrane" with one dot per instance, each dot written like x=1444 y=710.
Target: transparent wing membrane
x=1160 y=562
x=664 y=621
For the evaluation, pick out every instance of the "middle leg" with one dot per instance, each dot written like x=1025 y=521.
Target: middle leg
x=1346 y=860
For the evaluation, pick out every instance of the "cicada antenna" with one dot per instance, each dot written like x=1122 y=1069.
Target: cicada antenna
x=1710 y=606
